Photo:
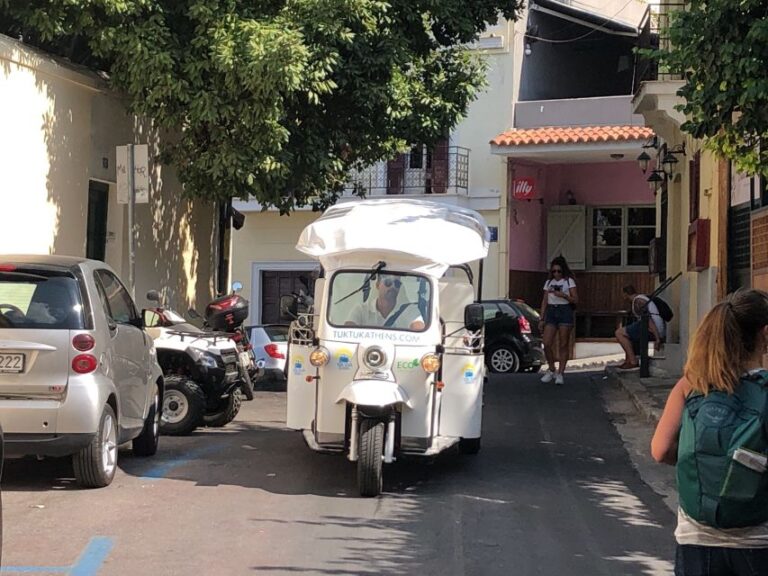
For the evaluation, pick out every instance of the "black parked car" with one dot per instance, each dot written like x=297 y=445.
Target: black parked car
x=512 y=339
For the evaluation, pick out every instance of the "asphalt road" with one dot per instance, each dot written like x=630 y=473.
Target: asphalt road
x=552 y=492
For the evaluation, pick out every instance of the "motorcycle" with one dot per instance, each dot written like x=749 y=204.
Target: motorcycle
x=201 y=371
x=227 y=314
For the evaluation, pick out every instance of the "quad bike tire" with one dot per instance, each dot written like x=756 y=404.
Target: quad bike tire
x=226 y=411
x=369 y=458
x=183 y=406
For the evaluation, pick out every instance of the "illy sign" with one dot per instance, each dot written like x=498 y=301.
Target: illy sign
x=523 y=188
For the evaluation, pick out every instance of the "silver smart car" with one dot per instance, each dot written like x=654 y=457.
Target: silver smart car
x=78 y=374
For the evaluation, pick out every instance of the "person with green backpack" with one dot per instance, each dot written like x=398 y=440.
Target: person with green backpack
x=714 y=428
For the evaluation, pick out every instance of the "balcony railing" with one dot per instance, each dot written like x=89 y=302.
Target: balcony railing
x=440 y=170
x=653 y=35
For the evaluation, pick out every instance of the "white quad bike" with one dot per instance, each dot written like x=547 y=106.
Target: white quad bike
x=202 y=372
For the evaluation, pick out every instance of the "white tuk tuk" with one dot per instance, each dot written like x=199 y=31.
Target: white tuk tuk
x=389 y=360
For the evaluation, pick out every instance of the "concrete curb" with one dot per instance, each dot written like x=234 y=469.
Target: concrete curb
x=638 y=393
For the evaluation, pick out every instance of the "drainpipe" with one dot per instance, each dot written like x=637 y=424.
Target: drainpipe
x=503 y=239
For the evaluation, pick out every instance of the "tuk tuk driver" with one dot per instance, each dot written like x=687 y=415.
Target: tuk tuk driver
x=391 y=309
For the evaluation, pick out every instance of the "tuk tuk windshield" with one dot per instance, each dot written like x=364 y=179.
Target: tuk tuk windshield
x=389 y=300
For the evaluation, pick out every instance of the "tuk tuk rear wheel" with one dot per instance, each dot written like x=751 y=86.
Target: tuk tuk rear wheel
x=469 y=446
x=369 y=458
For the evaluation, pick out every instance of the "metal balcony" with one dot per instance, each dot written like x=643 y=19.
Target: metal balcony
x=440 y=170
x=654 y=34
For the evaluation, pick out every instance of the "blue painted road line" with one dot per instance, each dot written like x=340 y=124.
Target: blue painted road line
x=162 y=470
x=36 y=569
x=93 y=557
x=89 y=563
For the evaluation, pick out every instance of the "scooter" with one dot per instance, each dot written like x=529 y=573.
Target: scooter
x=201 y=370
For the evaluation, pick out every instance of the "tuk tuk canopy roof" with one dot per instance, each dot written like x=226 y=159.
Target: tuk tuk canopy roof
x=433 y=234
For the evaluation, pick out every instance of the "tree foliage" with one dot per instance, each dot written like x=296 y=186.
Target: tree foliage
x=722 y=48
x=275 y=99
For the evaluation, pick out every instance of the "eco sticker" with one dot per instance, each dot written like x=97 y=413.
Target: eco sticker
x=344 y=359
x=298 y=365
x=407 y=364
x=469 y=373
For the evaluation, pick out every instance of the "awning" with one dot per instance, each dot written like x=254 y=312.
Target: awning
x=581 y=14
x=571 y=143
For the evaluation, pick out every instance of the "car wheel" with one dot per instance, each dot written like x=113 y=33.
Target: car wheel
x=226 y=411
x=183 y=406
x=146 y=443
x=95 y=465
x=503 y=360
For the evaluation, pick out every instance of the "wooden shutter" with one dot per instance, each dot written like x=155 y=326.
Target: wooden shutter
x=694 y=185
x=567 y=235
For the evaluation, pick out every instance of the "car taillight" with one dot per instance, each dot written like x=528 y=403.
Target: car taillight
x=525 y=326
x=7 y=268
x=274 y=352
x=84 y=363
x=83 y=342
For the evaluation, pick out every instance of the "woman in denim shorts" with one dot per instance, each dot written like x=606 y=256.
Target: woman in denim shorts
x=557 y=317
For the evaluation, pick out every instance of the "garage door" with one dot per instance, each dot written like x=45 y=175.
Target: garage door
x=278 y=283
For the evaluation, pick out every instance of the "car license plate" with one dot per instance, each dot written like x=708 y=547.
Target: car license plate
x=13 y=363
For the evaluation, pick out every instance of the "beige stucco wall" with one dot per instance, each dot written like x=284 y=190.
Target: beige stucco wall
x=61 y=127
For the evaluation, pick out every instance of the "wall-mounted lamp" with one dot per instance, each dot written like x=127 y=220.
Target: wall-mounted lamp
x=643 y=160
x=570 y=198
x=669 y=159
x=531 y=35
x=656 y=178
x=652 y=142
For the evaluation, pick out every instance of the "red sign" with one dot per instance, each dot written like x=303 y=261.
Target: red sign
x=523 y=188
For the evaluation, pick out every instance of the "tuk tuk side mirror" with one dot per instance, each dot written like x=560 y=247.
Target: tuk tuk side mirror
x=153 y=296
x=474 y=318
x=289 y=307
x=237 y=286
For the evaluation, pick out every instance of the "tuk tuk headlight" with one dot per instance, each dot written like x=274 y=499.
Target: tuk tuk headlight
x=430 y=363
x=319 y=357
x=375 y=357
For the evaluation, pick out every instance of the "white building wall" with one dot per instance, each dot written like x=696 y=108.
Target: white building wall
x=61 y=125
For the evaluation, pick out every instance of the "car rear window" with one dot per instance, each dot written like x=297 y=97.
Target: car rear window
x=531 y=314
x=40 y=299
x=277 y=333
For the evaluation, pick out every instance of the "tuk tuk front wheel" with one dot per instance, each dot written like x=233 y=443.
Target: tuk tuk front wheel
x=369 y=459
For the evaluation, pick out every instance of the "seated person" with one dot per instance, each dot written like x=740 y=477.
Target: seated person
x=390 y=309
x=629 y=336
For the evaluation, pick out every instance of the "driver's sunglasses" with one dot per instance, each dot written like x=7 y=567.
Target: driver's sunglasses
x=389 y=282
x=556 y=271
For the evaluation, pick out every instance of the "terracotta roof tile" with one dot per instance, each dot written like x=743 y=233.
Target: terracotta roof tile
x=571 y=135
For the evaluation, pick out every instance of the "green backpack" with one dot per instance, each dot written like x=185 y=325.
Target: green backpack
x=721 y=457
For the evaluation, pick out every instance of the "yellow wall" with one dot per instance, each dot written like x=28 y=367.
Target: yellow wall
x=61 y=127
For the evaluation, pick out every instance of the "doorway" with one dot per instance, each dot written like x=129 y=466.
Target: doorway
x=98 y=209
